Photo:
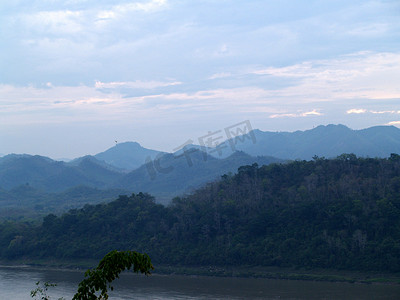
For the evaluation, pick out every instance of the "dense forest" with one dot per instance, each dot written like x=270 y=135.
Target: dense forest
x=341 y=213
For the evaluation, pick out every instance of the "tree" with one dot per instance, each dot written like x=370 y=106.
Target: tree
x=99 y=279
x=109 y=269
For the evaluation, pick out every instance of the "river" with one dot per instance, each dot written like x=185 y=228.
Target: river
x=17 y=282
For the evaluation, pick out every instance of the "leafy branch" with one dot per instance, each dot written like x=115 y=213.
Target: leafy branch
x=109 y=268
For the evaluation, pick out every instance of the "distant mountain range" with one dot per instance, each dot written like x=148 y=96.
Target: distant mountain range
x=325 y=141
x=328 y=141
x=131 y=167
x=164 y=177
x=175 y=174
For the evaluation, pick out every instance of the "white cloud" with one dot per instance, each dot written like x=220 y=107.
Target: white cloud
x=85 y=21
x=220 y=75
x=314 y=112
x=368 y=30
x=356 y=111
x=120 y=11
x=310 y=84
x=140 y=6
x=284 y=116
x=138 y=84
x=375 y=112
x=359 y=75
x=56 y=22
x=394 y=123
x=31 y=104
x=381 y=112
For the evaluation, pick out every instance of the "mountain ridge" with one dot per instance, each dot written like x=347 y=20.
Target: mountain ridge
x=174 y=174
x=127 y=155
x=170 y=174
x=325 y=140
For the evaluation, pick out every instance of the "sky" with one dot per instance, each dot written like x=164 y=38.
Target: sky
x=78 y=75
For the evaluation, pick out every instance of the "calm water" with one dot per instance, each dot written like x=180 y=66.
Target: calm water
x=16 y=283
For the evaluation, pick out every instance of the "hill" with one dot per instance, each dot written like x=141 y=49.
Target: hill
x=166 y=175
x=175 y=174
x=52 y=176
x=31 y=185
x=342 y=213
x=89 y=158
x=127 y=156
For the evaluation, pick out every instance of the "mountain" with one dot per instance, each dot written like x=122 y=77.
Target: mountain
x=128 y=155
x=28 y=181
x=52 y=176
x=181 y=172
x=214 y=152
x=340 y=214
x=77 y=161
x=327 y=141
x=131 y=167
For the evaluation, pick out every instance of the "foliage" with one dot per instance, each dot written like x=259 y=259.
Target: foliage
x=40 y=293
x=109 y=269
x=99 y=279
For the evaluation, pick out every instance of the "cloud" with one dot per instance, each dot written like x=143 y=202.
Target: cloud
x=55 y=22
x=220 y=75
x=394 y=123
x=284 y=116
x=303 y=86
x=158 y=62
x=95 y=22
x=314 y=112
x=356 y=111
x=120 y=11
x=380 y=112
x=368 y=30
x=138 y=84
x=358 y=75
x=25 y=105
x=141 y=6
x=376 y=112
x=105 y=101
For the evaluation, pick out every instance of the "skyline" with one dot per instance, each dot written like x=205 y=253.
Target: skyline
x=78 y=75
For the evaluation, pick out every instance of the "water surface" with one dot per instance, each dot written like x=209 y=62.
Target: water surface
x=17 y=282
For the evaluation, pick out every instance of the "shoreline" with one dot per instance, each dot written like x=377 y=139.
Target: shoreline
x=324 y=275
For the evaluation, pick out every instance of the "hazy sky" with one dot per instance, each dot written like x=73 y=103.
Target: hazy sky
x=77 y=75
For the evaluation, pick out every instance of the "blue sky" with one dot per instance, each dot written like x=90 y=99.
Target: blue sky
x=77 y=75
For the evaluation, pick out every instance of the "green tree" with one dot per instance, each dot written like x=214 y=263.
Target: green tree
x=109 y=268
x=98 y=280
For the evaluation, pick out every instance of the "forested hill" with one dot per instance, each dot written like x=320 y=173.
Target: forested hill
x=340 y=213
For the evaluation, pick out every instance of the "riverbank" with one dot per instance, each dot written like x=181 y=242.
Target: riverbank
x=285 y=274
x=237 y=272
